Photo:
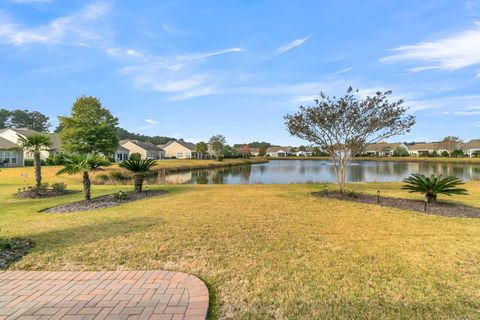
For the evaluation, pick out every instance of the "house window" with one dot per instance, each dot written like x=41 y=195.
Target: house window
x=179 y=154
x=14 y=157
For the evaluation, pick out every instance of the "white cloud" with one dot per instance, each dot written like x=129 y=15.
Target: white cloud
x=151 y=121
x=78 y=29
x=452 y=52
x=205 y=55
x=30 y=1
x=286 y=47
x=133 y=53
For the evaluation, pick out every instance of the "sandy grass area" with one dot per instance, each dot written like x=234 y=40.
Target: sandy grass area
x=268 y=251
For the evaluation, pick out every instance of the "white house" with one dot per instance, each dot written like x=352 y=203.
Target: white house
x=307 y=153
x=122 y=154
x=472 y=147
x=425 y=149
x=382 y=149
x=276 y=152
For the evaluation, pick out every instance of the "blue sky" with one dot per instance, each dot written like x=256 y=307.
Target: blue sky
x=195 y=68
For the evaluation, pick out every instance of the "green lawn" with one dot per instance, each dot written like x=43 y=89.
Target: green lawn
x=267 y=251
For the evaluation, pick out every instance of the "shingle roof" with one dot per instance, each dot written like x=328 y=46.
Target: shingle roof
x=424 y=146
x=189 y=145
x=382 y=146
x=276 y=149
x=472 y=144
x=54 y=138
x=144 y=145
x=122 y=149
x=6 y=144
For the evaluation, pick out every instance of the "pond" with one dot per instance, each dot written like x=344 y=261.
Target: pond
x=316 y=171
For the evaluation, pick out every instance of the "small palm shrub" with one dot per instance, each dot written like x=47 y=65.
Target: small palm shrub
x=433 y=186
x=139 y=168
x=59 y=187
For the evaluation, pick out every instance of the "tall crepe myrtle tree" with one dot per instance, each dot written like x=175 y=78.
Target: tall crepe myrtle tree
x=342 y=127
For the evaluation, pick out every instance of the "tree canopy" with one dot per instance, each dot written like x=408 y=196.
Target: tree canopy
x=18 y=118
x=90 y=128
x=344 y=126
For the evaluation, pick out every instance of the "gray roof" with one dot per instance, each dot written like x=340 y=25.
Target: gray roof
x=189 y=145
x=472 y=144
x=54 y=138
x=276 y=149
x=121 y=149
x=144 y=145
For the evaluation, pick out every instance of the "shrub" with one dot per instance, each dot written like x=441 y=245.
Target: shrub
x=118 y=176
x=458 y=153
x=103 y=177
x=135 y=156
x=55 y=159
x=351 y=194
x=28 y=162
x=444 y=154
x=121 y=195
x=59 y=187
x=400 y=151
x=432 y=186
x=220 y=158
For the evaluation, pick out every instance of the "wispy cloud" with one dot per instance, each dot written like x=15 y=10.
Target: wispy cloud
x=151 y=121
x=342 y=71
x=205 y=55
x=30 y=1
x=452 y=52
x=76 y=29
x=289 y=46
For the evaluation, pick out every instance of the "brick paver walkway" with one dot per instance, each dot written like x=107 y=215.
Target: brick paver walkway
x=102 y=295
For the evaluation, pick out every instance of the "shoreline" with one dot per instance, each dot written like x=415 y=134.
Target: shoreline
x=394 y=159
x=208 y=165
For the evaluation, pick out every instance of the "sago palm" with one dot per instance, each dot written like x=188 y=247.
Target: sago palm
x=432 y=186
x=139 y=167
x=84 y=164
x=34 y=144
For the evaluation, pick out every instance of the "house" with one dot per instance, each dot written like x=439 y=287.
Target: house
x=147 y=150
x=278 y=152
x=122 y=154
x=425 y=149
x=11 y=152
x=472 y=147
x=307 y=153
x=180 y=149
x=382 y=149
x=255 y=152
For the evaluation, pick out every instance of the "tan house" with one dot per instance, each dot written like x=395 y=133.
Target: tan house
x=255 y=152
x=308 y=152
x=147 y=150
x=179 y=149
x=425 y=149
x=382 y=149
x=11 y=152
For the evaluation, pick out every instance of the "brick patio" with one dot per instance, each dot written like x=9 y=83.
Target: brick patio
x=102 y=295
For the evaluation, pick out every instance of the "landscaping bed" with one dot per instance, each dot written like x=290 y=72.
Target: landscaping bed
x=12 y=250
x=32 y=194
x=447 y=209
x=106 y=201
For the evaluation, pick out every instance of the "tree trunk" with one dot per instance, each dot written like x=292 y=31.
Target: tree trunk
x=431 y=198
x=38 y=168
x=86 y=186
x=138 y=183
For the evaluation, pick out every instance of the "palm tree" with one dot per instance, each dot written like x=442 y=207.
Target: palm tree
x=139 y=167
x=34 y=144
x=201 y=149
x=432 y=186
x=83 y=164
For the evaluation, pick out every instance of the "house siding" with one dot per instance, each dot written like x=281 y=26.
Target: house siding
x=175 y=149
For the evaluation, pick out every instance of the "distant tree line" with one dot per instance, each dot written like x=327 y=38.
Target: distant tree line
x=19 y=118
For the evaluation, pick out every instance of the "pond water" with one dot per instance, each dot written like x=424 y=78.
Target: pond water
x=316 y=171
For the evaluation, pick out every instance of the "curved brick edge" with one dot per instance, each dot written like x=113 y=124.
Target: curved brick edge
x=198 y=295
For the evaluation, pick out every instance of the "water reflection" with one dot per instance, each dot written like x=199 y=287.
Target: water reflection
x=316 y=171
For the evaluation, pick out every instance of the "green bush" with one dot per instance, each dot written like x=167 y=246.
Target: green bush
x=59 y=187
x=121 y=195
x=458 y=153
x=135 y=156
x=28 y=162
x=220 y=158
x=118 y=176
x=444 y=154
x=55 y=159
x=432 y=186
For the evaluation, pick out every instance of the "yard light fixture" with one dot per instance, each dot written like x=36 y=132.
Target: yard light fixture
x=146 y=191
x=325 y=189
x=378 y=196
x=425 y=204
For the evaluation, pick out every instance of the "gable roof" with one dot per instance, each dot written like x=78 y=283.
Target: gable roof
x=424 y=146
x=276 y=149
x=382 y=146
x=25 y=132
x=121 y=149
x=472 y=144
x=142 y=144
x=7 y=145
x=189 y=145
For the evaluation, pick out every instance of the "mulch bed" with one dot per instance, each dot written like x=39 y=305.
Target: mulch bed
x=12 y=250
x=439 y=208
x=102 y=202
x=30 y=194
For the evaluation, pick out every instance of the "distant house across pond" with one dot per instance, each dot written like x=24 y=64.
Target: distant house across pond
x=180 y=149
x=382 y=149
x=276 y=152
x=147 y=150
x=11 y=152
